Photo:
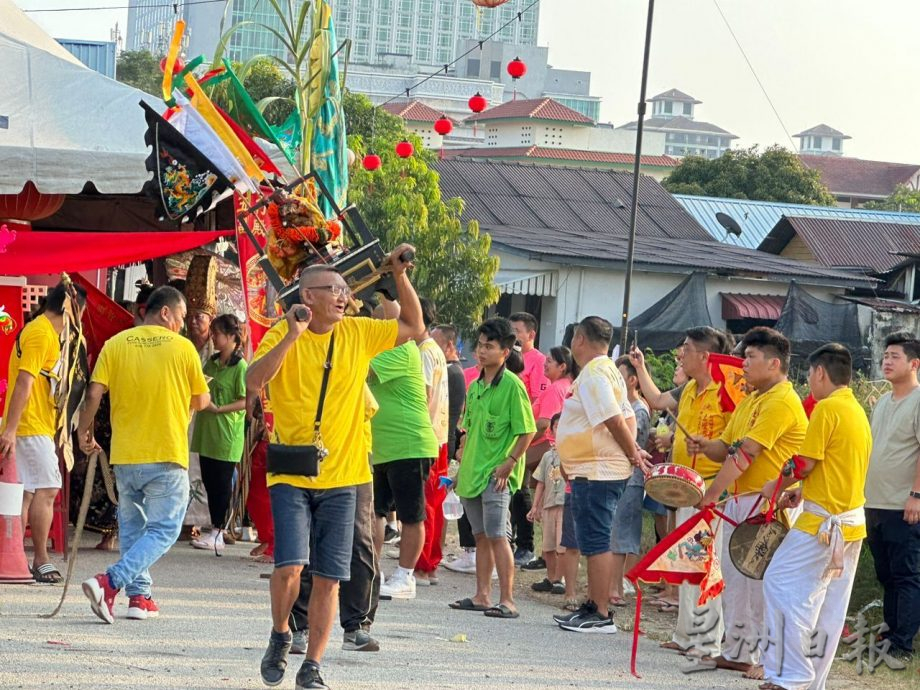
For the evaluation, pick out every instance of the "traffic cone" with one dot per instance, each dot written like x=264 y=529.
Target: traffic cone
x=14 y=568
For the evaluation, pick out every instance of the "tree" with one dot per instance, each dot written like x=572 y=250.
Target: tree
x=401 y=202
x=262 y=79
x=777 y=174
x=903 y=198
x=140 y=69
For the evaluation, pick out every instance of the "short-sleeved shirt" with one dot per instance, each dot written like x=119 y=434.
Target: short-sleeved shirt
x=550 y=403
x=534 y=375
x=456 y=396
x=496 y=414
x=776 y=421
x=895 y=451
x=643 y=421
x=152 y=374
x=294 y=394
x=586 y=446
x=840 y=439
x=220 y=436
x=40 y=345
x=434 y=369
x=401 y=429
x=549 y=474
x=700 y=413
x=470 y=374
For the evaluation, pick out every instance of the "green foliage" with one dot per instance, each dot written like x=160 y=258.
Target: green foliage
x=140 y=69
x=661 y=368
x=402 y=202
x=777 y=174
x=903 y=198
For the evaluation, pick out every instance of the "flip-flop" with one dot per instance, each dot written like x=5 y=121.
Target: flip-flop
x=618 y=601
x=47 y=574
x=669 y=608
x=467 y=605
x=500 y=611
x=770 y=686
x=673 y=647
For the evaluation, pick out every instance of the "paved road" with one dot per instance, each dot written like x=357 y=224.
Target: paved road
x=214 y=624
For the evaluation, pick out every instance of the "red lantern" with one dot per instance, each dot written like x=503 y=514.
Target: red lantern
x=371 y=162
x=404 y=149
x=478 y=103
x=517 y=68
x=29 y=204
x=443 y=125
x=177 y=67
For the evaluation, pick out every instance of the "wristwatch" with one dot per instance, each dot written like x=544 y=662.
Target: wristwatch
x=915 y=494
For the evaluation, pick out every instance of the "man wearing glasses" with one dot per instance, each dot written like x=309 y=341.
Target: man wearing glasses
x=314 y=515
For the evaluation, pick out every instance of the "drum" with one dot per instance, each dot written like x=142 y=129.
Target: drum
x=753 y=544
x=676 y=486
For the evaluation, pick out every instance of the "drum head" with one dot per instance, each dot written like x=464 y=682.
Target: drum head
x=673 y=492
x=753 y=544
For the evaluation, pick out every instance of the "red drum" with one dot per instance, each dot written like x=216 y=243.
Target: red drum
x=675 y=486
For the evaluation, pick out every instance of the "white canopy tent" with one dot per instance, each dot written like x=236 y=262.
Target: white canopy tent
x=65 y=125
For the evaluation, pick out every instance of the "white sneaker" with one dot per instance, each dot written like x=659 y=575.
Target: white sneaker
x=464 y=563
x=213 y=542
x=399 y=586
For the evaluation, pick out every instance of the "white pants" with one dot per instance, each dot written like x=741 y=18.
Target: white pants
x=699 y=627
x=808 y=607
x=742 y=598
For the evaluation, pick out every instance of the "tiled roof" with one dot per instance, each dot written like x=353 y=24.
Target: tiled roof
x=551 y=153
x=577 y=248
x=674 y=95
x=822 y=131
x=681 y=124
x=536 y=109
x=758 y=218
x=846 y=243
x=413 y=111
x=590 y=200
x=855 y=176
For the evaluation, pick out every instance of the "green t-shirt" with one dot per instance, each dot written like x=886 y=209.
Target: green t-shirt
x=495 y=416
x=401 y=429
x=220 y=436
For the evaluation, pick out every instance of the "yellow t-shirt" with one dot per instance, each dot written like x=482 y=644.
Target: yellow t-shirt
x=840 y=439
x=776 y=420
x=371 y=407
x=41 y=357
x=294 y=393
x=152 y=374
x=700 y=414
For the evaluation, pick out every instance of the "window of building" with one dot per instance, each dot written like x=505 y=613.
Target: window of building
x=836 y=144
x=445 y=23
x=444 y=55
x=362 y=33
x=688 y=108
x=363 y=17
x=403 y=36
x=816 y=142
x=383 y=36
x=425 y=21
x=667 y=107
x=495 y=69
x=423 y=54
x=472 y=67
x=405 y=21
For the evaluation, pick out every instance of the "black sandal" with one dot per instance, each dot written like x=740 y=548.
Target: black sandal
x=47 y=574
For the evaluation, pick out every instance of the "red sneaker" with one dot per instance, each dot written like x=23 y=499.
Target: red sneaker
x=141 y=608
x=98 y=589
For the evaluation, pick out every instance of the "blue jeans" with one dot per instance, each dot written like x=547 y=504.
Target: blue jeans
x=594 y=504
x=152 y=499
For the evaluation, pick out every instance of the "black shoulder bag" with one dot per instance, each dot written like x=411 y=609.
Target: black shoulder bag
x=304 y=461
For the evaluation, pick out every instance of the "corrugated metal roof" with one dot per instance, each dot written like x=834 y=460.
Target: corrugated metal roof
x=741 y=305
x=664 y=254
x=581 y=199
x=838 y=242
x=550 y=153
x=543 y=284
x=758 y=218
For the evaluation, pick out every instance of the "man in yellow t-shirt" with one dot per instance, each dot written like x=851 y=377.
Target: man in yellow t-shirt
x=314 y=515
x=154 y=380
x=769 y=425
x=30 y=422
x=808 y=583
x=699 y=411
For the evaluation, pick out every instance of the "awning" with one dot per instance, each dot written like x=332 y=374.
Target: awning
x=513 y=282
x=738 y=305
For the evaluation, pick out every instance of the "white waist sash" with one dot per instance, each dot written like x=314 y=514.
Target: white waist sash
x=831 y=532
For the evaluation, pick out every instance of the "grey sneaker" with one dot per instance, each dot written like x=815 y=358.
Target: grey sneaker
x=359 y=641
x=308 y=678
x=591 y=621
x=522 y=556
x=299 y=642
x=274 y=662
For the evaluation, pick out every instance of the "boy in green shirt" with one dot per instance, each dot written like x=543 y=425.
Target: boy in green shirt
x=499 y=427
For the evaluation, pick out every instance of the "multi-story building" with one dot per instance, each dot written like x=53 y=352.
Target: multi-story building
x=673 y=114
x=821 y=141
x=151 y=24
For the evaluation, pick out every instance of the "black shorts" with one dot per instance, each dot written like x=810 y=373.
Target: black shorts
x=400 y=484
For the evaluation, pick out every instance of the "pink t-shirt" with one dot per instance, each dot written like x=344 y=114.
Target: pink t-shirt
x=533 y=376
x=550 y=403
x=470 y=374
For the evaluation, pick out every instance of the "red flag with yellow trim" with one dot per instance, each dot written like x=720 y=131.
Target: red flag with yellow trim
x=727 y=371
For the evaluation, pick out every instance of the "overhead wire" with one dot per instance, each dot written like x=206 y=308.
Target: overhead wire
x=122 y=7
